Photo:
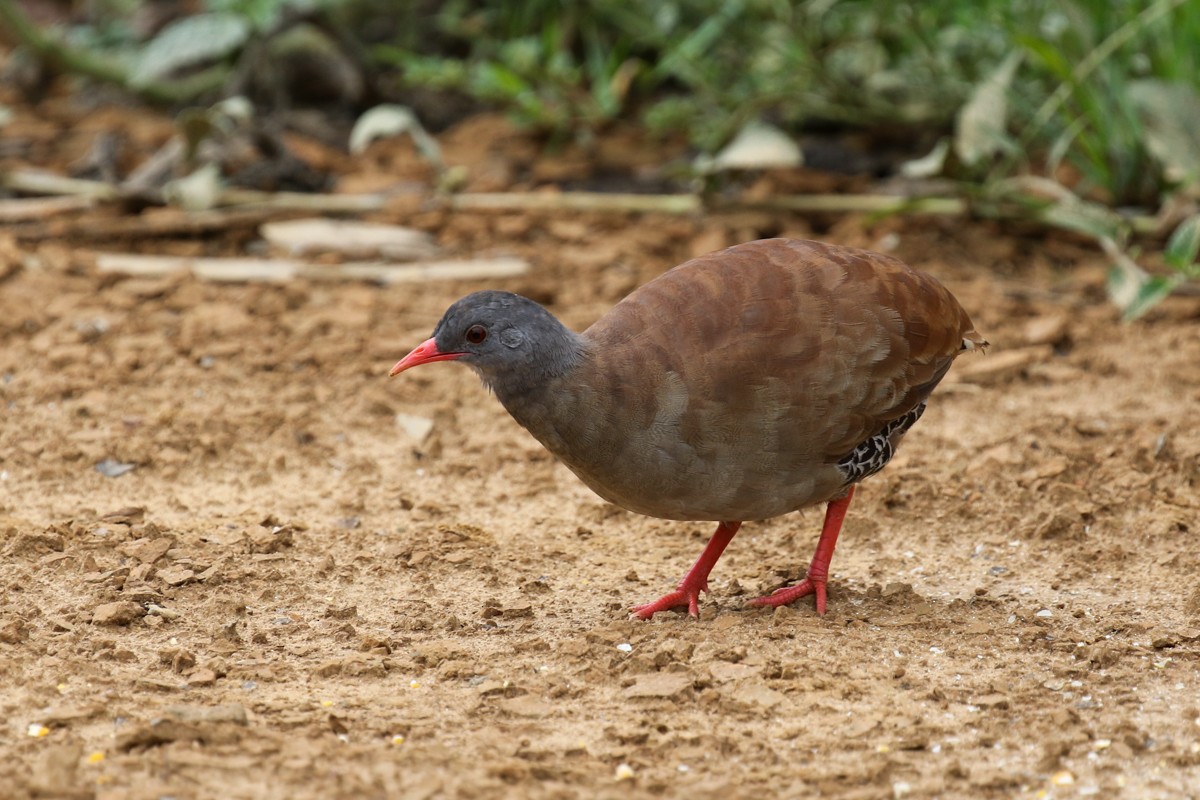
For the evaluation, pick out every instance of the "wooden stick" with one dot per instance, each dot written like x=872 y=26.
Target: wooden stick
x=284 y=270
x=43 y=183
x=39 y=182
x=18 y=209
x=298 y=201
x=860 y=203
x=145 y=226
x=577 y=201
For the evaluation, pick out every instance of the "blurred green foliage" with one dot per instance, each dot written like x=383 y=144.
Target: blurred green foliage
x=1099 y=74
x=1108 y=88
x=706 y=66
x=1091 y=78
x=1072 y=110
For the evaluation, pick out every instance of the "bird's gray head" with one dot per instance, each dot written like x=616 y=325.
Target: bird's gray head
x=511 y=341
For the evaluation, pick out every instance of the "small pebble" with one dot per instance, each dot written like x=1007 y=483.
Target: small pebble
x=110 y=468
x=397 y=739
x=1045 y=612
x=625 y=647
x=37 y=730
x=624 y=772
x=159 y=611
x=1062 y=778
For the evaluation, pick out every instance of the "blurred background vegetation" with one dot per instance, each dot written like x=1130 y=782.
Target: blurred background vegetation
x=1084 y=113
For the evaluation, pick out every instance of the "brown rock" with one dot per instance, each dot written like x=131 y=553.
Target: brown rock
x=66 y=714
x=202 y=677
x=364 y=667
x=54 y=771
x=149 y=550
x=993 y=700
x=660 y=684
x=999 y=368
x=1046 y=330
x=525 y=706
x=27 y=544
x=1192 y=604
x=181 y=661
x=176 y=576
x=231 y=712
x=130 y=515
x=119 y=613
x=756 y=694
x=329 y=669
x=164 y=731
x=12 y=632
x=724 y=672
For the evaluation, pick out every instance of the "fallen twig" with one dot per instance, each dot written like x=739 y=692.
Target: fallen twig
x=284 y=270
x=578 y=201
x=351 y=239
x=37 y=182
x=16 y=210
x=329 y=203
x=145 y=226
x=40 y=182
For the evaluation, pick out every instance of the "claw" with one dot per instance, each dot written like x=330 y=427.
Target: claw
x=680 y=597
x=789 y=594
x=696 y=581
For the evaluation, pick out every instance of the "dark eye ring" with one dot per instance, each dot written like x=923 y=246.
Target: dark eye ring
x=476 y=334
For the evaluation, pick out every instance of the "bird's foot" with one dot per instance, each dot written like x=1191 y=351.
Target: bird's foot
x=788 y=594
x=685 y=595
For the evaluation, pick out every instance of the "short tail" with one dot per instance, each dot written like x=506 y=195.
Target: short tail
x=973 y=341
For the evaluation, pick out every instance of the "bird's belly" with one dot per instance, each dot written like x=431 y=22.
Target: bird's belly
x=686 y=456
x=664 y=488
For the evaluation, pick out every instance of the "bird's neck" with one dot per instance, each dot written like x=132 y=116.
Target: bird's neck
x=542 y=396
x=543 y=370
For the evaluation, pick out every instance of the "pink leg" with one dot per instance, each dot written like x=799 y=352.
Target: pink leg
x=818 y=570
x=696 y=580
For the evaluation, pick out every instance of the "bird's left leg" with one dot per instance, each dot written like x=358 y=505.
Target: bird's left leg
x=818 y=570
x=696 y=580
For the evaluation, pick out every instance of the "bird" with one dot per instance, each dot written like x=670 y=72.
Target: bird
x=741 y=385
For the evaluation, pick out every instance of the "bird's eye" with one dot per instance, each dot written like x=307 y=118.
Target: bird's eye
x=476 y=334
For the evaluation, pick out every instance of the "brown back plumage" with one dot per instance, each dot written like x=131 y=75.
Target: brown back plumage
x=729 y=387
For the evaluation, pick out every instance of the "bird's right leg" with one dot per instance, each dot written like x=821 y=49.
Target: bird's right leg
x=696 y=580
x=818 y=571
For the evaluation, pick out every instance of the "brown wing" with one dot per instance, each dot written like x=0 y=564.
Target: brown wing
x=822 y=344
x=729 y=387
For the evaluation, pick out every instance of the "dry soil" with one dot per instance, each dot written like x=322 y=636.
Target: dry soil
x=288 y=595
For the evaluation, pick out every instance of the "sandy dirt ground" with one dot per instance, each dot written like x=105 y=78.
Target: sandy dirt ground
x=290 y=596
